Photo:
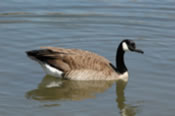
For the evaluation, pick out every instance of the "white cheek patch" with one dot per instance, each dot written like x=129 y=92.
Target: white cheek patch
x=125 y=46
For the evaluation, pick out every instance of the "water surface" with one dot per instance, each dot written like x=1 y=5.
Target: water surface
x=94 y=25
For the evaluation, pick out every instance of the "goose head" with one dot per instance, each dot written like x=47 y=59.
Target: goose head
x=129 y=45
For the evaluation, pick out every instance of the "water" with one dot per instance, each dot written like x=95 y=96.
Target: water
x=98 y=26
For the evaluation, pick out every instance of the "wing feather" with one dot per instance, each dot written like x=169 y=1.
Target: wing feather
x=74 y=59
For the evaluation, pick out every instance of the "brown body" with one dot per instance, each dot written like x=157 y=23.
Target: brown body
x=79 y=64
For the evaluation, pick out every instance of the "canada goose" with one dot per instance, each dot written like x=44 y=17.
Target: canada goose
x=76 y=64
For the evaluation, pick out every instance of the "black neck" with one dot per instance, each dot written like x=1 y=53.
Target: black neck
x=120 y=64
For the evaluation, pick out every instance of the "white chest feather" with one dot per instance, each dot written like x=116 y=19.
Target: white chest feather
x=124 y=76
x=51 y=70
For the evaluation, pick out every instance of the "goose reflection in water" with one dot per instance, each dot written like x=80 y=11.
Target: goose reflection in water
x=52 y=88
x=125 y=109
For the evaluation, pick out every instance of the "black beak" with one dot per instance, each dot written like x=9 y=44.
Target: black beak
x=138 y=50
